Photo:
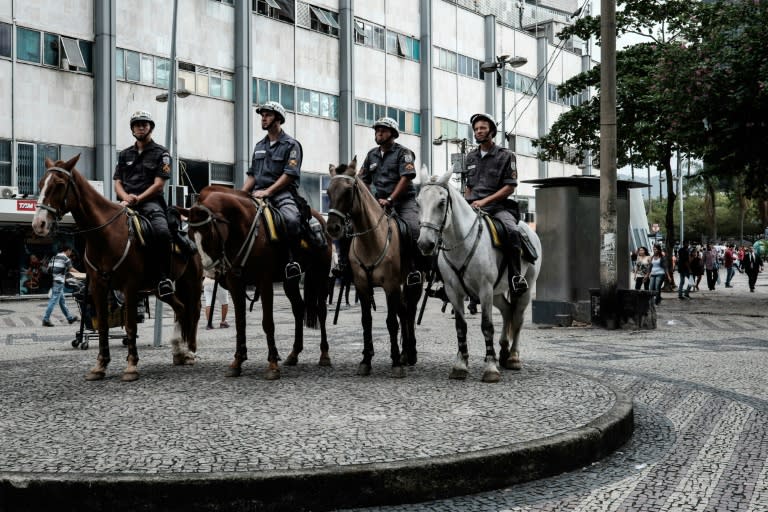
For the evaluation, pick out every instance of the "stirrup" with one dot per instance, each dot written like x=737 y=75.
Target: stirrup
x=165 y=288
x=439 y=293
x=413 y=278
x=292 y=270
x=518 y=285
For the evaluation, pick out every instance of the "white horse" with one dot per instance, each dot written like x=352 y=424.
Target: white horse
x=470 y=265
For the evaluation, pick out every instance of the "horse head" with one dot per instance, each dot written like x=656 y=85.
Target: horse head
x=434 y=201
x=56 y=188
x=341 y=193
x=210 y=230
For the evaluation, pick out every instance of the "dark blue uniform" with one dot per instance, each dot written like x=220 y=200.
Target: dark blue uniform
x=384 y=172
x=486 y=175
x=269 y=162
x=137 y=172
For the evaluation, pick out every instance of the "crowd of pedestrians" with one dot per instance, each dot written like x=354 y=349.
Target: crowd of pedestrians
x=655 y=271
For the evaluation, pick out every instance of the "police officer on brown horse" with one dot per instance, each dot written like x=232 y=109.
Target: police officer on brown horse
x=275 y=174
x=390 y=168
x=139 y=180
x=491 y=179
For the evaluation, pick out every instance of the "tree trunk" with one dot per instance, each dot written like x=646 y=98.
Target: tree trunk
x=671 y=197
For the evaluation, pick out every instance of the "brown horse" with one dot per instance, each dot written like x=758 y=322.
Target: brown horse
x=231 y=234
x=375 y=259
x=115 y=260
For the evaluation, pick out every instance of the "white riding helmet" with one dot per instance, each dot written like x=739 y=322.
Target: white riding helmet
x=484 y=117
x=388 y=122
x=142 y=115
x=273 y=106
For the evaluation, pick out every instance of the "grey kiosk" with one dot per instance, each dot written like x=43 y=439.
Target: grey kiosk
x=568 y=224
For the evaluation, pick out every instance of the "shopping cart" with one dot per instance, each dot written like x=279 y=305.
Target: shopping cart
x=89 y=325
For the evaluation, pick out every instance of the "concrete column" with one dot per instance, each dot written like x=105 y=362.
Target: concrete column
x=346 y=81
x=242 y=85
x=425 y=83
x=105 y=93
x=490 y=56
x=542 y=50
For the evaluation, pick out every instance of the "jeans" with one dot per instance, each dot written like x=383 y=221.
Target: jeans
x=656 y=282
x=729 y=273
x=57 y=297
x=684 y=287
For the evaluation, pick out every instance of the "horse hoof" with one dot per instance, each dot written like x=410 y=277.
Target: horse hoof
x=458 y=374
x=130 y=376
x=324 y=360
x=182 y=360
x=363 y=369
x=233 y=372
x=513 y=364
x=398 y=372
x=272 y=374
x=491 y=377
x=92 y=375
x=291 y=360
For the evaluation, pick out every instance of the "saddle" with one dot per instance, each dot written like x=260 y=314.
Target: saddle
x=140 y=231
x=501 y=238
x=275 y=224
x=409 y=252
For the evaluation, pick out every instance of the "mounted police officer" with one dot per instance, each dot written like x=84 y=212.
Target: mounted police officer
x=491 y=179
x=390 y=168
x=275 y=174
x=139 y=179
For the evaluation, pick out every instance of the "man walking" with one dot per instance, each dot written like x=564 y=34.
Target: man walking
x=752 y=266
x=684 y=269
x=58 y=267
x=728 y=260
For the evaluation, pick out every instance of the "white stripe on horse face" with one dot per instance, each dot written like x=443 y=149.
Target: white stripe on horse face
x=206 y=260
x=42 y=216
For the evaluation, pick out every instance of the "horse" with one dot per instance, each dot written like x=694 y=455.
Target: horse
x=115 y=261
x=233 y=238
x=375 y=260
x=469 y=265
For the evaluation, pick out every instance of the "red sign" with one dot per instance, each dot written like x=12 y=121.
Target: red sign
x=26 y=205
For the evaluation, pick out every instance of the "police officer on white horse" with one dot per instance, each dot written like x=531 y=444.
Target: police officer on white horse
x=491 y=179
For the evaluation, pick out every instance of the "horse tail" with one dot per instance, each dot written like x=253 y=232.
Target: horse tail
x=314 y=299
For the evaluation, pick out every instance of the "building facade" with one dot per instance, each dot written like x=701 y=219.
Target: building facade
x=71 y=74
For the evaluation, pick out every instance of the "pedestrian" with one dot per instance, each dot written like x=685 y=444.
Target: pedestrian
x=491 y=179
x=390 y=168
x=58 y=267
x=139 y=178
x=684 y=269
x=712 y=265
x=752 y=264
x=222 y=297
x=642 y=270
x=697 y=267
x=728 y=263
x=658 y=271
x=275 y=175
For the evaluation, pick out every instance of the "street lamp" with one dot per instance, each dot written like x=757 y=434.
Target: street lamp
x=499 y=67
x=172 y=133
x=439 y=142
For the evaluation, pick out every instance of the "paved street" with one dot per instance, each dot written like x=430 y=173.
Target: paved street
x=698 y=383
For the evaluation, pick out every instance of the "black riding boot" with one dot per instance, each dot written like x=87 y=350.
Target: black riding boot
x=165 y=287
x=186 y=245
x=517 y=283
x=293 y=270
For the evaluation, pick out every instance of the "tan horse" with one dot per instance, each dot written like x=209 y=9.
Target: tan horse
x=231 y=235
x=116 y=261
x=375 y=259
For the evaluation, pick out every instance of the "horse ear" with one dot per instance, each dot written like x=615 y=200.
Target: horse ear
x=423 y=174
x=332 y=169
x=443 y=180
x=70 y=164
x=183 y=211
x=353 y=163
x=48 y=163
x=351 y=169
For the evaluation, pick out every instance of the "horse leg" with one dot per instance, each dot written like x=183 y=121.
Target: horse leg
x=184 y=341
x=408 y=324
x=461 y=364
x=237 y=292
x=292 y=291
x=131 y=372
x=514 y=326
x=504 y=307
x=322 y=314
x=99 y=294
x=364 y=368
x=490 y=372
x=394 y=308
x=268 y=324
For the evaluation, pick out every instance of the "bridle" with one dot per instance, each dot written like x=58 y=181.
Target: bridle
x=224 y=264
x=346 y=218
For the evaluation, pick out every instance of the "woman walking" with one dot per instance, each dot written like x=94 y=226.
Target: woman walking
x=642 y=269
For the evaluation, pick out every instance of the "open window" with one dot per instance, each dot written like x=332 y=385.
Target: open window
x=72 y=53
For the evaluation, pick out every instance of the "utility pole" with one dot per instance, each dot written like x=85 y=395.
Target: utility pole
x=608 y=171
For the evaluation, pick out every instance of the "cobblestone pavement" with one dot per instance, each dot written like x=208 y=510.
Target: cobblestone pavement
x=698 y=381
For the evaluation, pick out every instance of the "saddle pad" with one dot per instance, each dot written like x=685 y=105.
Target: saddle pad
x=135 y=226
x=495 y=228
x=269 y=219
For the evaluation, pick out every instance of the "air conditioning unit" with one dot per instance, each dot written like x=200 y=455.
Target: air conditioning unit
x=8 y=192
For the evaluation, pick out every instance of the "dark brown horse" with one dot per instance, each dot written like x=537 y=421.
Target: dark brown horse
x=232 y=237
x=115 y=260
x=375 y=258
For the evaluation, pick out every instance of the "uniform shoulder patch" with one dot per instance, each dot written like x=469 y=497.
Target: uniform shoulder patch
x=407 y=158
x=166 y=159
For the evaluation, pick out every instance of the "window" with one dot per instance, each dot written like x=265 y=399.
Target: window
x=5 y=162
x=120 y=63
x=51 y=50
x=367 y=113
x=162 y=72
x=132 y=66
x=404 y=46
x=310 y=188
x=265 y=90
x=86 y=51
x=282 y=10
x=72 y=52
x=446 y=128
x=317 y=103
x=370 y=35
x=147 y=64
x=222 y=172
x=6 y=39
x=27 y=45
x=323 y=21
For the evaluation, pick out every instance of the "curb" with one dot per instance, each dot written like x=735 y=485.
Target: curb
x=328 y=488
